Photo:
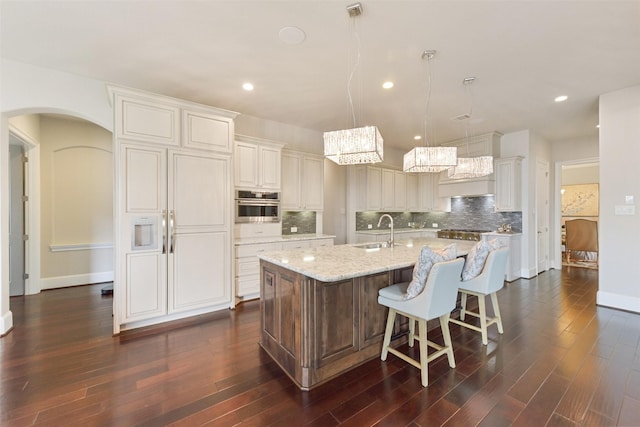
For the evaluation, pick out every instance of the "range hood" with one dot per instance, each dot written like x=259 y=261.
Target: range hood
x=481 y=145
x=467 y=187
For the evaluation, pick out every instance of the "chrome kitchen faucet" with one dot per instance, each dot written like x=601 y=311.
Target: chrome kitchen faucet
x=390 y=242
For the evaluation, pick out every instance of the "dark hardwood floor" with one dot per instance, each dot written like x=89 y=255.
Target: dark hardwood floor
x=562 y=361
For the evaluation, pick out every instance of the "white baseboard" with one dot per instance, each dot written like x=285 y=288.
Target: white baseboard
x=621 y=302
x=6 y=322
x=75 y=280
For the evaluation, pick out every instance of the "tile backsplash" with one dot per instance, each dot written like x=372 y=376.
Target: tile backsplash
x=476 y=213
x=305 y=222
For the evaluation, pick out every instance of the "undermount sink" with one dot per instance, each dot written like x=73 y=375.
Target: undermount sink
x=374 y=245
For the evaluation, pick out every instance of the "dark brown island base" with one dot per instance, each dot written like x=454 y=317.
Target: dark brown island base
x=320 y=315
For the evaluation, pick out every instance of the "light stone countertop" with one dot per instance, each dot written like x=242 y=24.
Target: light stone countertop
x=340 y=262
x=283 y=238
x=378 y=231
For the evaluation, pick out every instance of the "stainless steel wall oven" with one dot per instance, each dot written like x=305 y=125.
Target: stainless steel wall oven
x=257 y=206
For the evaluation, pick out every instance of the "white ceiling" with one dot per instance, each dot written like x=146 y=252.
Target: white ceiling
x=523 y=54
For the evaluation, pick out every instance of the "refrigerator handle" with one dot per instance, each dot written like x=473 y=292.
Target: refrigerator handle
x=164 y=232
x=172 y=234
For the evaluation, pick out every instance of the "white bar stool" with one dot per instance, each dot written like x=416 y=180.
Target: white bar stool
x=437 y=300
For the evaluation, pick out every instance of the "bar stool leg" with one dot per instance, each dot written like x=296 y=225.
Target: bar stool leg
x=391 y=318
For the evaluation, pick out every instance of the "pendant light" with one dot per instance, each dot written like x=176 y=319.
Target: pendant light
x=429 y=159
x=470 y=167
x=359 y=144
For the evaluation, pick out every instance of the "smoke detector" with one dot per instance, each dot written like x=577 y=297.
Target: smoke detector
x=354 y=10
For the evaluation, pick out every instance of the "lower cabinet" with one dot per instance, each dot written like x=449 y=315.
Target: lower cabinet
x=247 y=271
x=514 y=243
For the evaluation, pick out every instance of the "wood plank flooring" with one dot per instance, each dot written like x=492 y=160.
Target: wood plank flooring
x=562 y=361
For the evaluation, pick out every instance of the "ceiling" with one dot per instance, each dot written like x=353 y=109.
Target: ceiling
x=522 y=53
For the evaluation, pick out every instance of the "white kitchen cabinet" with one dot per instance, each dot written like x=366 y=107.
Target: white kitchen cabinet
x=412 y=192
x=257 y=164
x=302 y=182
x=205 y=131
x=399 y=191
x=429 y=199
x=295 y=244
x=146 y=118
x=393 y=189
x=432 y=234
x=368 y=188
x=508 y=172
x=316 y=243
x=248 y=264
x=248 y=268
x=387 y=190
x=173 y=243
x=514 y=243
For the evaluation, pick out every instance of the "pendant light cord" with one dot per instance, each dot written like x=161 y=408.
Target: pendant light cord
x=353 y=70
x=426 y=108
x=467 y=82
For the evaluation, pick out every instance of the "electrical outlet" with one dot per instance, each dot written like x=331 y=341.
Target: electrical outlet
x=294 y=229
x=434 y=225
x=369 y=226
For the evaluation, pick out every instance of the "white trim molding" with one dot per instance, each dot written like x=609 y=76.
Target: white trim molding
x=79 y=247
x=6 y=323
x=75 y=280
x=621 y=302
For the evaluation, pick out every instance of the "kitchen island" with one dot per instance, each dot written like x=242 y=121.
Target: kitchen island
x=319 y=306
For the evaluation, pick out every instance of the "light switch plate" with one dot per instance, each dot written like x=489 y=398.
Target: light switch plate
x=625 y=209
x=434 y=225
x=294 y=229
x=369 y=226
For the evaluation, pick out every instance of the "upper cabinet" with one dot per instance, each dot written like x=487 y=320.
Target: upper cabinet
x=205 y=131
x=381 y=189
x=508 y=172
x=368 y=188
x=429 y=199
x=144 y=117
x=257 y=163
x=302 y=181
x=147 y=119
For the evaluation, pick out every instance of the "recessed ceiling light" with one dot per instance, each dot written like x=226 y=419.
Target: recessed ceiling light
x=561 y=98
x=291 y=35
x=247 y=86
x=417 y=137
x=387 y=85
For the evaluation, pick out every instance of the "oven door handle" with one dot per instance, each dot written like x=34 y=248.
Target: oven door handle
x=252 y=202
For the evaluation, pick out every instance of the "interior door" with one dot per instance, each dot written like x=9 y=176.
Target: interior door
x=16 y=222
x=199 y=241
x=542 y=210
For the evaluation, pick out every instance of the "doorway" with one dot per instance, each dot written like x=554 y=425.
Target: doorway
x=68 y=215
x=567 y=173
x=17 y=225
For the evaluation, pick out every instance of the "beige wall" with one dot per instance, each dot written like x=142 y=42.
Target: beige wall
x=76 y=201
x=587 y=174
x=619 y=274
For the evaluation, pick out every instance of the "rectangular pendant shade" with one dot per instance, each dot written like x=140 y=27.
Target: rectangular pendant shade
x=430 y=159
x=354 y=146
x=472 y=167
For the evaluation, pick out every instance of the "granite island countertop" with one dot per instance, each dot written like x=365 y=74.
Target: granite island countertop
x=378 y=231
x=340 y=262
